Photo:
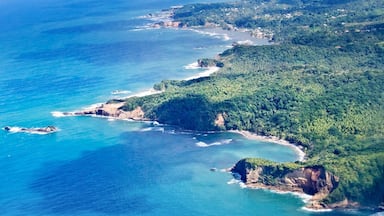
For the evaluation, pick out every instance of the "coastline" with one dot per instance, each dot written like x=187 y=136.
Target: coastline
x=113 y=111
x=271 y=139
x=208 y=71
x=148 y=92
x=98 y=60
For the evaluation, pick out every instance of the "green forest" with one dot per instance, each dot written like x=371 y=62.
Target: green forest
x=319 y=84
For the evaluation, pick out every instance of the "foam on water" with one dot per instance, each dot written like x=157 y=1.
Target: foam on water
x=92 y=106
x=120 y=92
x=316 y=210
x=222 y=35
x=192 y=66
x=13 y=129
x=304 y=197
x=234 y=181
x=207 y=72
x=218 y=143
x=58 y=114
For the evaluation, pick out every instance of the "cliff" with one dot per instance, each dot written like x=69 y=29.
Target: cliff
x=312 y=180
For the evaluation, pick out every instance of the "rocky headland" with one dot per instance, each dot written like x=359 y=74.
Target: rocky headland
x=313 y=180
x=112 y=110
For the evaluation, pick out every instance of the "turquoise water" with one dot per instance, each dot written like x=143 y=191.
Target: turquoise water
x=67 y=55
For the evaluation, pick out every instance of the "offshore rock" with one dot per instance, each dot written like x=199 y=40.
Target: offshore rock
x=42 y=130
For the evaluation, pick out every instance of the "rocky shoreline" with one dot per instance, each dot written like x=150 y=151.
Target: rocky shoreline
x=113 y=110
x=314 y=181
x=165 y=19
x=307 y=180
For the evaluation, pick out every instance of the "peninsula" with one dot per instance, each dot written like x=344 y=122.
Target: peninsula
x=319 y=86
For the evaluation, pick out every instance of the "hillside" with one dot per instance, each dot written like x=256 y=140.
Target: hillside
x=320 y=85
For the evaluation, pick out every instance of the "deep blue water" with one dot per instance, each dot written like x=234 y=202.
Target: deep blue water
x=66 y=55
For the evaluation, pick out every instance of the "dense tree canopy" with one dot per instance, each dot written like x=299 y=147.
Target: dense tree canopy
x=320 y=85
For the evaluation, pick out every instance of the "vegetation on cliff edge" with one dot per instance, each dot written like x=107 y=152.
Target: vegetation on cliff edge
x=321 y=85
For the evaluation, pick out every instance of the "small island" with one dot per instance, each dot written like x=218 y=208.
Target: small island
x=319 y=86
x=39 y=130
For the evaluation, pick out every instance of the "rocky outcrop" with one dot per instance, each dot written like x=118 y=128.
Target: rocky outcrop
x=42 y=130
x=168 y=24
x=311 y=180
x=114 y=110
x=206 y=62
x=220 y=121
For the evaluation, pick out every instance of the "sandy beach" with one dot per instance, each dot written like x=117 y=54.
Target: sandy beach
x=144 y=93
x=272 y=139
x=207 y=72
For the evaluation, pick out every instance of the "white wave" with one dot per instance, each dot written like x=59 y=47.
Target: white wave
x=202 y=144
x=145 y=93
x=59 y=114
x=192 y=66
x=213 y=33
x=304 y=197
x=205 y=73
x=316 y=210
x=222 y=142
x=37 y=132
x=245 y=42
x=119 y=92
x=146 y=129
x=226 y=37
x=138 y=29
x=233 y=181
x=128 y=120
x=242 y=185
x=159 y=129
x=13 y=129
x=92 y=106
x=227 y=141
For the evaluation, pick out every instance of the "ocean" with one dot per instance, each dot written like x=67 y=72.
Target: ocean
x=61 y=56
